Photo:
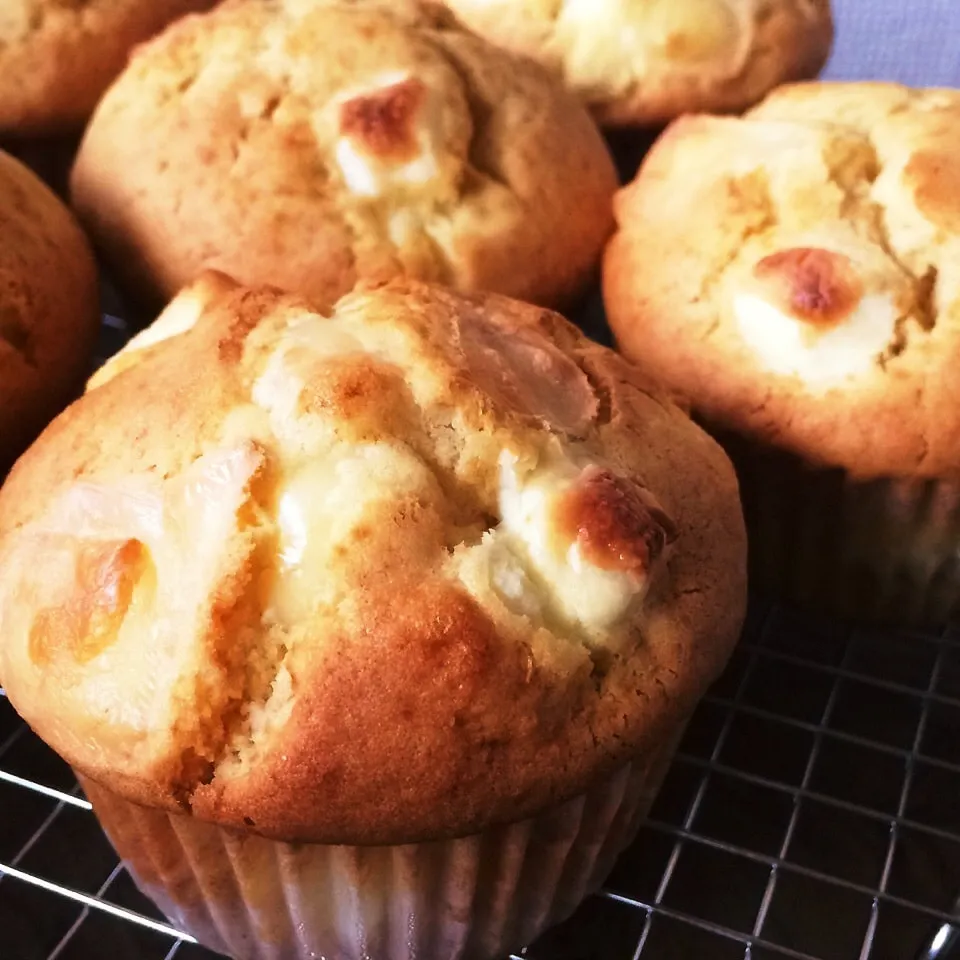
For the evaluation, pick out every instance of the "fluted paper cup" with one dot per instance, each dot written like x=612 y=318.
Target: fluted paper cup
x=884 y=549
x=473 y=898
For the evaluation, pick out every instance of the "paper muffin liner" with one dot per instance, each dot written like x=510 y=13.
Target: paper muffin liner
x=475 y=897
x=885 y=549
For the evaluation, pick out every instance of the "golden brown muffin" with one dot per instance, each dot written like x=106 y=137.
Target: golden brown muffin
x=794 y=275
x=432 y=573
x=245 y=141
x=645 y=62
x=49 y=307
x=425 y=564
x=58 y=56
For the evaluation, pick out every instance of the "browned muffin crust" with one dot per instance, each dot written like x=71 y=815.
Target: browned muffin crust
x=48 y=307
x=793 y=274
x=244 y=141
x=390 y=674
x=58 y=56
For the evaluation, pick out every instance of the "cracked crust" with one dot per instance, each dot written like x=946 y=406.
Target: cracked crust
x=58 y=56
x=49 y=307
x=647 y=63
x=289 y=597
x=411 y=148
x=793 y=274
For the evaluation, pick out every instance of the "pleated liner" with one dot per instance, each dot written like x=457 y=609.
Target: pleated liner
x=878 y=550
x=474 y=898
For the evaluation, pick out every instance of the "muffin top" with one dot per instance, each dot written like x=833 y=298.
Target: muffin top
x=246 y=141
x=58 y=56
x=421 y=565
x=49 y=307
x=648 y=61
x=795 y=274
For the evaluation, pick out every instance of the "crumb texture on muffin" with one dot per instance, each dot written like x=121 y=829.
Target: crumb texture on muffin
x=647 y=62
x=49 y=313
x=422 y=564
x=58 y=56
x=794 y=273
x=243 y=140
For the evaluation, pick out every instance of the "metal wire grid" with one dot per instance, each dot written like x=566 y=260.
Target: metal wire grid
x=812 y=813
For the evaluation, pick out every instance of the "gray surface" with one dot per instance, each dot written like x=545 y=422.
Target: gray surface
x=911 y=41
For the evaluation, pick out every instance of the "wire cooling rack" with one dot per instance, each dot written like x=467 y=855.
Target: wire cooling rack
x=812 y=813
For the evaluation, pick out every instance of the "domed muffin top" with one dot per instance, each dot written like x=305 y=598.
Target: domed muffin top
x=793 y=274
x=419 y=565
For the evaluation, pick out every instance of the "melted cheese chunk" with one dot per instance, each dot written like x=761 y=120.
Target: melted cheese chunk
x=331 y=488
x=112 y=589
x=787 y=346
x=278 y=390
x=392 y=138
x=369 y=176
x=535 y=571
x=322 y=508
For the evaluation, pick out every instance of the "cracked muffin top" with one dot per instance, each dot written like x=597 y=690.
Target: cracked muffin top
x=794 y=274
x=49 y=307
x=648 y=61
x=249 y=141
x=58 y=56
x=398 y=571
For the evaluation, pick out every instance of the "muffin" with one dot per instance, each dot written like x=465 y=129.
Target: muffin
x=58 y=56
x=369 y=633
x=244 y=141
x=793 y=275
x=646 y=63
x=49 y=314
